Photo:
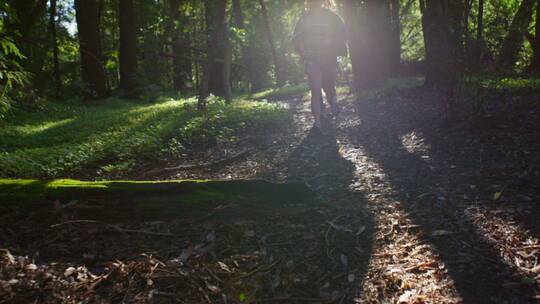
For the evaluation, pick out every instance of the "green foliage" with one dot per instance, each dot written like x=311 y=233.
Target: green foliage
x=113 y=137
x=513 y=84
x=411 y=32
x=11 y=73
x=226 y=123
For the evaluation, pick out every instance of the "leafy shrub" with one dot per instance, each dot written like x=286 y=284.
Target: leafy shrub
x=11 y=73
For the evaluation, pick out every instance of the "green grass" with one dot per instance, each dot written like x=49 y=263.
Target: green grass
x=146 y=199
x=284 y=92
x=512 y=84
x=66 y=139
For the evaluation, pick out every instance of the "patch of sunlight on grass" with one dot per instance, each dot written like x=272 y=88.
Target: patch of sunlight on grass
x=100 y=133
x=513 y=83
x=115 y=137
x=287 y=91
x=35 y=129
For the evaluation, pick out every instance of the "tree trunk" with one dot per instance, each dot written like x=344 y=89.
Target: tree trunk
x=280 y=80
x=513 y=42
x=480 y=28
x=536 y=42
x=439 y=44
x=93 y=74
x=395 y=37
x=216 y=73
x=128 y=48
x=247 y=52
x=352 y=23
x=182 y=68
x=28 y=12
x=56 y=63
x=227 y=65
x=369 y=51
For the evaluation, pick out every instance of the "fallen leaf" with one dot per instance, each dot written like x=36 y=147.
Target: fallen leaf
x=406 y=297
x=213 y=288
x=224 y=266
x=497 y=196
x=69 y=271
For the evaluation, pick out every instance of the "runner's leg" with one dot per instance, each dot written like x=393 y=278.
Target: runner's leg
x=314 y=72
x=329 y=76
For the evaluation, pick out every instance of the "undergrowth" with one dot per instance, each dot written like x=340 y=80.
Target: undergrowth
x=66 y=139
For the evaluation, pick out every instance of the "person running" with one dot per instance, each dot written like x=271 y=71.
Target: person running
x=320 y=38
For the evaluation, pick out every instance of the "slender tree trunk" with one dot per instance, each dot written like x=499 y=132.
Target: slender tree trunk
x=93 y=74
x=128 y=48
x=56 y=63
x=227 y=67
x=457 y=13
x=395 y=37
x=513 y=42
x=466 y=21
x=479 y=49
x=480 y=27
x=206 y=67
x=216 y=72
x=280 y=80
x=182 y=68
x=439 y=43
x=247 y=52
x=536 y=44
x=352 y=23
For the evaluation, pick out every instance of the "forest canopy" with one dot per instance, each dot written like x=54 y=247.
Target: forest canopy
x=65 y=49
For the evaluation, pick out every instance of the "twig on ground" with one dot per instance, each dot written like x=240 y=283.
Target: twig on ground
x=331 y=225
x=122 y=230
x=289 y=300
x=261 y=269
x=217 y=163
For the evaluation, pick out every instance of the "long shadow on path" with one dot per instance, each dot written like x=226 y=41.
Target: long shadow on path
x=318 y=163
x=428 y=191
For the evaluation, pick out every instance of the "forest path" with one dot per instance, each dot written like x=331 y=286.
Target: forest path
x=436 y=234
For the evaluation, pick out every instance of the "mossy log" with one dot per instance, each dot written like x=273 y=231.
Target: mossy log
x=155 y=199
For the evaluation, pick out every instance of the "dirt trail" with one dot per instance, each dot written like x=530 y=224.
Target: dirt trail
x=444 y=227
x=410 y=213
x=449 y=213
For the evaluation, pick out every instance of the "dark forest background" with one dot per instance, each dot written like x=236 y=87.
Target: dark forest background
x=93 y=49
